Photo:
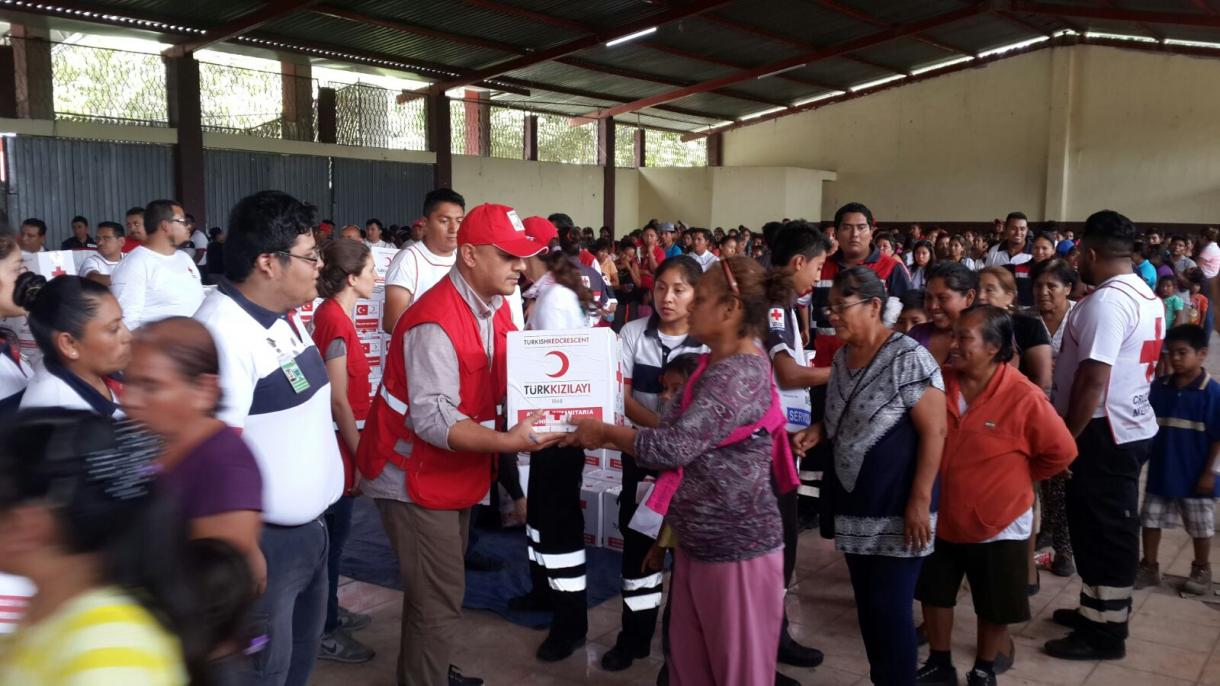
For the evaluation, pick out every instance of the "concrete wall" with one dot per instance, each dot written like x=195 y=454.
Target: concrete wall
x=626 y=202
x=728 y=196
x=1057 y=133
x=532 y=188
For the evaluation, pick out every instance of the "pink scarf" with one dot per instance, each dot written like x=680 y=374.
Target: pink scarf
x=650 y=515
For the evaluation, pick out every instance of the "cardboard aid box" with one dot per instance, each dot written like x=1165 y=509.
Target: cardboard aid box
x=612 y=535
x=52 y=263
x=565 y=374
x=591 y=491
x=368 y=317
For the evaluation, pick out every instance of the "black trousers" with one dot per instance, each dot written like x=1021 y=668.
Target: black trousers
x=1103 y=518
x=641 y=590
x=556 y=530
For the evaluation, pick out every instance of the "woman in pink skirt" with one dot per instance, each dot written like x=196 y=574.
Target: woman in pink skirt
x=722 y=441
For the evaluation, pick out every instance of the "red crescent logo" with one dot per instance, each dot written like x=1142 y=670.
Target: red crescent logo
x=563 y=364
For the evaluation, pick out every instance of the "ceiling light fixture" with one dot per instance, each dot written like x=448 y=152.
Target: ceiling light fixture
x=780 y=71
x=631 y=36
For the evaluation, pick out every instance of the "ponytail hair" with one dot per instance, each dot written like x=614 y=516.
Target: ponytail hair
x=64 y=304
x=756 y=288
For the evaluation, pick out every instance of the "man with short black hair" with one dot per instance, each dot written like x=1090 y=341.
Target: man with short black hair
x=157 y=280
x=373 y=235
x=1102 y=378
x=701 y=248
x=33 y=236
x=419 y=267
x=668 y=242
x=100 y=265
x=136 y=235
x=277 y=393
x=79 y=240
x=1012 y=250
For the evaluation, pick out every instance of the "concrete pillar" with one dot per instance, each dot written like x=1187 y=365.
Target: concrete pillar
x=531 y=137
x=297 y=107
x=185 y=114
x=1059 y=139
x=327 y=116
x=639 y=147
x=605 y=158
x=715 y=150
x=32 y=82
x=439 y=141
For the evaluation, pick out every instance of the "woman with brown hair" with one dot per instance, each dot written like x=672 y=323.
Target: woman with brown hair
x=726 y=604
x=347 y=275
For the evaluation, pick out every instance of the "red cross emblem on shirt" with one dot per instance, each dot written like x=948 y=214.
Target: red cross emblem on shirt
x=58 y=271
x=777 y=315
x=1150 y=351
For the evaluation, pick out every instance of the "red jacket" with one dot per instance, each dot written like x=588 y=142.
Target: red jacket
x=1009 y=438
x=331 y=322
x=437 y=478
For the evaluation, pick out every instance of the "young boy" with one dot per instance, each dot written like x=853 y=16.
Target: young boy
x=1185 y=453
x=913 y=311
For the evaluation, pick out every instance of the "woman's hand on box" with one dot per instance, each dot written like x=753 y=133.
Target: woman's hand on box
x=590 y=434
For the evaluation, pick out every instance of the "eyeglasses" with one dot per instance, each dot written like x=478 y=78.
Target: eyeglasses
x=312 y=258
x=837 y=310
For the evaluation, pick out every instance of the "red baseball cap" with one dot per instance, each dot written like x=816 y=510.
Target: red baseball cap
x=500 y=226
x=541 y=229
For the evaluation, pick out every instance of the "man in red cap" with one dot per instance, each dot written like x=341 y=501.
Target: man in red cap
x=430 y=443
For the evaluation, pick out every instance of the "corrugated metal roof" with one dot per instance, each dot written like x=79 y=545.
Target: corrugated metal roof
x=694 y=49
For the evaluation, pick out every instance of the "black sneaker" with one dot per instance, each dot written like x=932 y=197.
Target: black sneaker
x=619 y=658
x=978 y=677
x=936 y=675
x=797 y=655
x=340 y=646
x=456 y=678
x=782 y=679
x=353 y=621
x=556 y=648
x=531 y=602
x=1063 y=566
x=1067 y=617
x=1076 y=647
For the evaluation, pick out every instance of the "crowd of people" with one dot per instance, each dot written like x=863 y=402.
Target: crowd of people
x=178 y=469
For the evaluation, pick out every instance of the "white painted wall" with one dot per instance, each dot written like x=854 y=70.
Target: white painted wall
x=1057 y=133
x=532 y=188
x=728 y=196
x=626 y=202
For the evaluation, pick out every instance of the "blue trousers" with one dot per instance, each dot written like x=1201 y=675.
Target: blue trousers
x=338 y=520
x=291 y=611
x=885 y=590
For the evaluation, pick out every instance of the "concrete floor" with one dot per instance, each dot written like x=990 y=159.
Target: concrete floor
x=1174 y=641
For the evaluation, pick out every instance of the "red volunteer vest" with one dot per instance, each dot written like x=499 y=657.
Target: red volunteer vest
x=331 y=322
x=437 y=478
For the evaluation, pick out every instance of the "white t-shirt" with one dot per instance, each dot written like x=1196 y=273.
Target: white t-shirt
x=516 y=307
x=1120 y=324
x=998 y=256
x=556 y=308
x=287 y=426
x=99 y=264
x=417 y=269
x=380 y=244
x=199 y=241
x=705 y=260
x=49 y=390
x=14 y=376
x=150 y=286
